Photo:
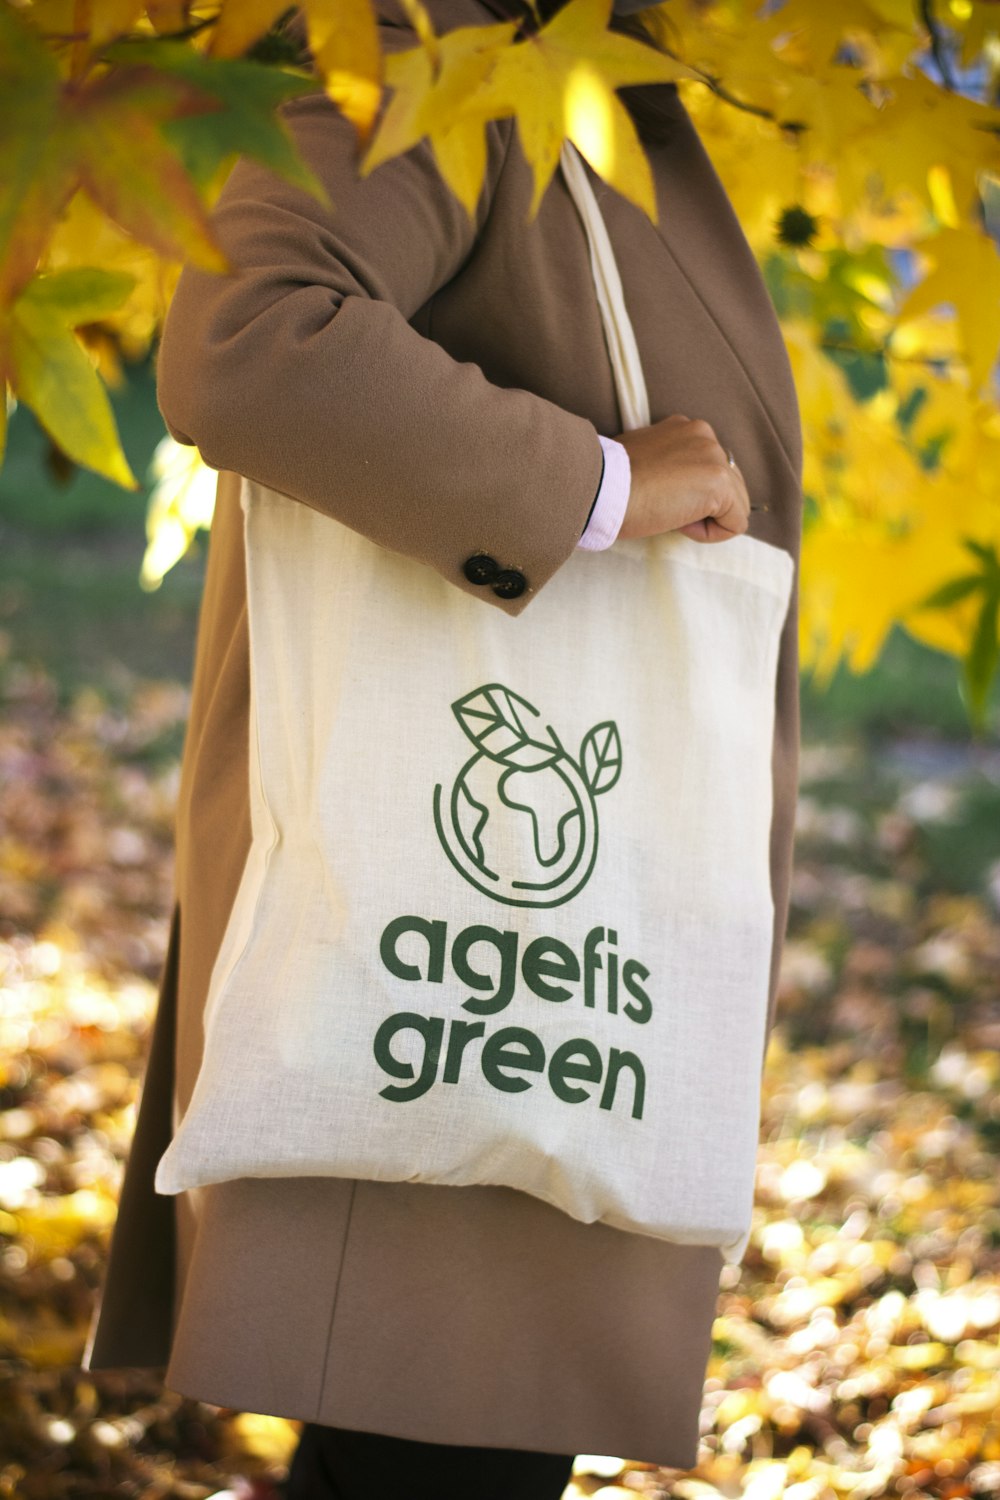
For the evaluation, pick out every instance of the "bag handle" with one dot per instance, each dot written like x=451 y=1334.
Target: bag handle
x=630 y=383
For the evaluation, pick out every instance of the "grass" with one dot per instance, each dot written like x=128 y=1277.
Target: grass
x=912 y=690
x=70 y=553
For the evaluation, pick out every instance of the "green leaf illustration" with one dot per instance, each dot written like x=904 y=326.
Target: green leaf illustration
x=470 y=820
x=601 y=757
x=507 y=728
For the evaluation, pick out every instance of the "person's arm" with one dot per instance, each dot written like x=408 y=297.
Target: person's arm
x=302 y=371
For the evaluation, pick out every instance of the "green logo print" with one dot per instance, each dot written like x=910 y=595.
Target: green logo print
x=521 y=822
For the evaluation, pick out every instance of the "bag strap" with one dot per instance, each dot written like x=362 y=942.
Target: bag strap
x=630 y=383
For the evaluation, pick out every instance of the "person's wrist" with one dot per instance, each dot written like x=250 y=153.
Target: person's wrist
x=611 y=502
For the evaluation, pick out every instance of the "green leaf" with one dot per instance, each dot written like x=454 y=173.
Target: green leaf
x=951 y=592
x=601 y=757
x=52 y=375
x=247 y=124
x=986 y=554
x=507 y=728
x=980 y=665
x=80 y=294
x=30 y=189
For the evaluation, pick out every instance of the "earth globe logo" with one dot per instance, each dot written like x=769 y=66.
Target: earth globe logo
x=520 y=823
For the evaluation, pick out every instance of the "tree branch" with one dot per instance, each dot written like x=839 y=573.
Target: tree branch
x=939 y=49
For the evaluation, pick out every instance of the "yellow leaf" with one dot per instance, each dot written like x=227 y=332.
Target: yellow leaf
x=600 y=126
x=271 y=1438
x=181 y=503
x=112 y=18
x=817 y=31
x=167 y=16
x=535 y=80
x=744 y=51
x=56 y=1225
x=416 y=14
x=922 y=125
x=51 y=374
x=837 y=118
x=761 y=166
x=85 y=235
x=240 y=23
x=441 y=104
x=981 y=23
x=966 y=274
x=821 y=385
x=460 y=153
x=83 y=294
x=344 y=40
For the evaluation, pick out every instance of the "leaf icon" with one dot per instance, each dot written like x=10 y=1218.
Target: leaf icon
x=507 y=728
x=601 y=757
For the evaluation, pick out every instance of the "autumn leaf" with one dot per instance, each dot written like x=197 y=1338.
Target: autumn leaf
x=966 y=275
x=168 y=16
x=244 y=123
x=240 y=23
x=981 y=22
x=556 y=82
x=817 y=33
x=343 y=39
x=78 y=295
x=922 y=126
x=103 y=135
x=111 y=129
x=34 y=183
x=108 y=19
x=181 y=501
x=434 y=94
x=50 y=372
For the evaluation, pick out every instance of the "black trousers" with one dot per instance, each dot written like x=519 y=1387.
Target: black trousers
x=333 y=1463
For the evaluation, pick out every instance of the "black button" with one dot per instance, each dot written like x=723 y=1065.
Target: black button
x=509 y=583
x=481 y=568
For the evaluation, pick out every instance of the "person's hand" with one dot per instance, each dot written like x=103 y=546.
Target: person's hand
x=683 y=481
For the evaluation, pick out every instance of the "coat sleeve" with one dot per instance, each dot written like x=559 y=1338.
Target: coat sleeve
x=301 y=370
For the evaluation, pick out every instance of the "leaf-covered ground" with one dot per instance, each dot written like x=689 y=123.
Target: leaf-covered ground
x=856 y=1351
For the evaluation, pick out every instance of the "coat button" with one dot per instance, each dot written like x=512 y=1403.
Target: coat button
x=509 y=583
x=481 y=568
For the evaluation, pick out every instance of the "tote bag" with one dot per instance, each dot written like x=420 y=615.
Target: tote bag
x=506 y=916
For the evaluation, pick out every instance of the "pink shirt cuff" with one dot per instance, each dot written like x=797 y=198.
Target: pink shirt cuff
x=612 y=498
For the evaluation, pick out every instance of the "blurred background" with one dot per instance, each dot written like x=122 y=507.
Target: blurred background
x=874 y=1270
x=856 y=1351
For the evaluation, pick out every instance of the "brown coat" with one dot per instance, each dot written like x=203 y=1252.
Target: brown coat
x=439 y=385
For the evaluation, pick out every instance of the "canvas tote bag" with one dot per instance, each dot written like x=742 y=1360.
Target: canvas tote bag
x=506 y=916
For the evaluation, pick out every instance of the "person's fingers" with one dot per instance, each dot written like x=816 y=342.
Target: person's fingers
x=730 y=501
x=737 y=474
x=679 y=464
x=728 y=490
